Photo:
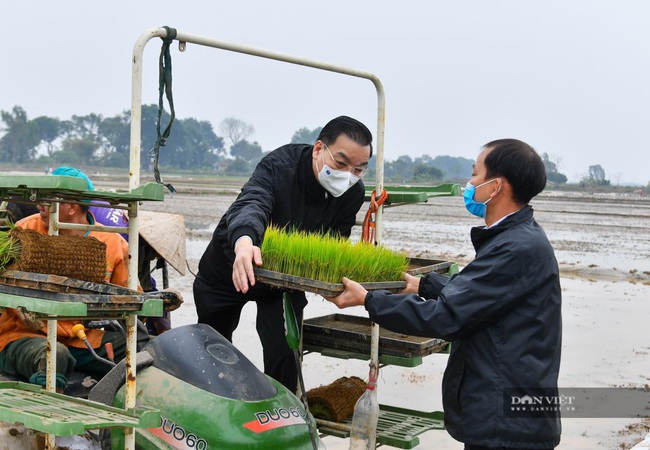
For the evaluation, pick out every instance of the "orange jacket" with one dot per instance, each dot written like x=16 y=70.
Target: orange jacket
x=117 y=272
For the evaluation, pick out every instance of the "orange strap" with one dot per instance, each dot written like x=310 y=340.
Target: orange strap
x=368 y=229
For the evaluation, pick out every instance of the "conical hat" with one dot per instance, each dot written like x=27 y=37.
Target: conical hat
x=166 y=234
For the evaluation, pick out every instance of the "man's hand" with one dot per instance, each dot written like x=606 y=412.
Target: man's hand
x=353 y=295
x=412 y=284
x=30 y=321
x=172 y=302
x=242 y=269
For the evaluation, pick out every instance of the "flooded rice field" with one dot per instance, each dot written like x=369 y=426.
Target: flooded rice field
x=598 y=235
x=603 y=245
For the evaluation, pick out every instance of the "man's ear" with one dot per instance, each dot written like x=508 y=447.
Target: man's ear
x=318 y=148
x=72 y=209
x=503 y=188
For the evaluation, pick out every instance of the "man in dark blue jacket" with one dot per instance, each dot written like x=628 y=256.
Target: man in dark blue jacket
x=502 y=312
x=314 y=188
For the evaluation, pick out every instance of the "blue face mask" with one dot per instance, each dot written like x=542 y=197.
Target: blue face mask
x=474 y=207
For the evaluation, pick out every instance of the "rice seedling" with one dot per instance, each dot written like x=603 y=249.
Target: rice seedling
x=329 y=258
x=10 y=248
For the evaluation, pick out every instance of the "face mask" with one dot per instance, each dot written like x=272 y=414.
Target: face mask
x=336 y=182
x=474 y=207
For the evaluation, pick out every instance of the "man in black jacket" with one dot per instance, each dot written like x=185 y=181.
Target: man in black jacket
x=315 y=188
x=502 y=312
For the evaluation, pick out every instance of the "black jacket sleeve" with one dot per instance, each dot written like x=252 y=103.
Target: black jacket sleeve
x=249 y=214
x=473 y=299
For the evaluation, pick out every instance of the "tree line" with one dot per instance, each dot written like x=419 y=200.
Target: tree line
x=104 y=141
x=94 y=140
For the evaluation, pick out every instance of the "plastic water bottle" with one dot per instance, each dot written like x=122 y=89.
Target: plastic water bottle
x=363 y=433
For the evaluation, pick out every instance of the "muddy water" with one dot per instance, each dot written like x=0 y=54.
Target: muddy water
x=595 y=235
x=583 y=232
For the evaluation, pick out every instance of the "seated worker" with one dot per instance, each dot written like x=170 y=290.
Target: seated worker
x=23 y=342
x=147 y=251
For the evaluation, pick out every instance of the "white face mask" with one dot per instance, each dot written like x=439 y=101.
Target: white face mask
x=336 y=182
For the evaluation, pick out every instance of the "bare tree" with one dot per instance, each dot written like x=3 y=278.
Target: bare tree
x=236 y=129
x=596 y=176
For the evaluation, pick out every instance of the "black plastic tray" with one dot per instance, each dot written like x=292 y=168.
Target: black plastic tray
x=353 y=334
x=291 y=282
x=98 y=298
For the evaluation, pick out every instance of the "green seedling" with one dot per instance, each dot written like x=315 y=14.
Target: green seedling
x=329 y=258
x=9 y=249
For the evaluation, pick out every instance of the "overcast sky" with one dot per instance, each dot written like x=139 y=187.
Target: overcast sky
x=570 y=77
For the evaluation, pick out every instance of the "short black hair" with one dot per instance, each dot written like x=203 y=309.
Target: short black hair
x=352 y=128
x=518 y=163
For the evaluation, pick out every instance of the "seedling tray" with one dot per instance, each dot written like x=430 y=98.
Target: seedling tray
x=294 y=283
x=353 y=334
x=70 y=297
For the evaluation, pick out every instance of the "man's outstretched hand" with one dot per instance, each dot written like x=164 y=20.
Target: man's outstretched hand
x=353 y=295
x=246 y=254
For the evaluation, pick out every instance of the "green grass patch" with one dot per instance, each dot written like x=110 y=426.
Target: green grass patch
x=329 y=258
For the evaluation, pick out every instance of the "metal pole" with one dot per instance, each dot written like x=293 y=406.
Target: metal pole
x=50 y=373
x=136 y=86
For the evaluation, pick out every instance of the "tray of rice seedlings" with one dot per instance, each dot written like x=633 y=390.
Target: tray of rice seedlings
x=69 y=256
x=311 y=262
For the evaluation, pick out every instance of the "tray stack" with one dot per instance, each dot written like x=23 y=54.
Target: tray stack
x=351 y=334
x=54 y=294
x=344 y=336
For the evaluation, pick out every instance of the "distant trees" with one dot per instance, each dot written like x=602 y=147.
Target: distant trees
x=596 y=176
x=453 y=168
x=21 y=137
x=237 y=167
x=92 y=139
x=195 y=145
x=249 y=152
x=246 y=155
x=115 y=133
x=399 y=170
x=423 y=173
x=236 y=129
x=95 y=140
x=50 y=129
x=552 y=174
x=425 y=169
x=305 y=136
